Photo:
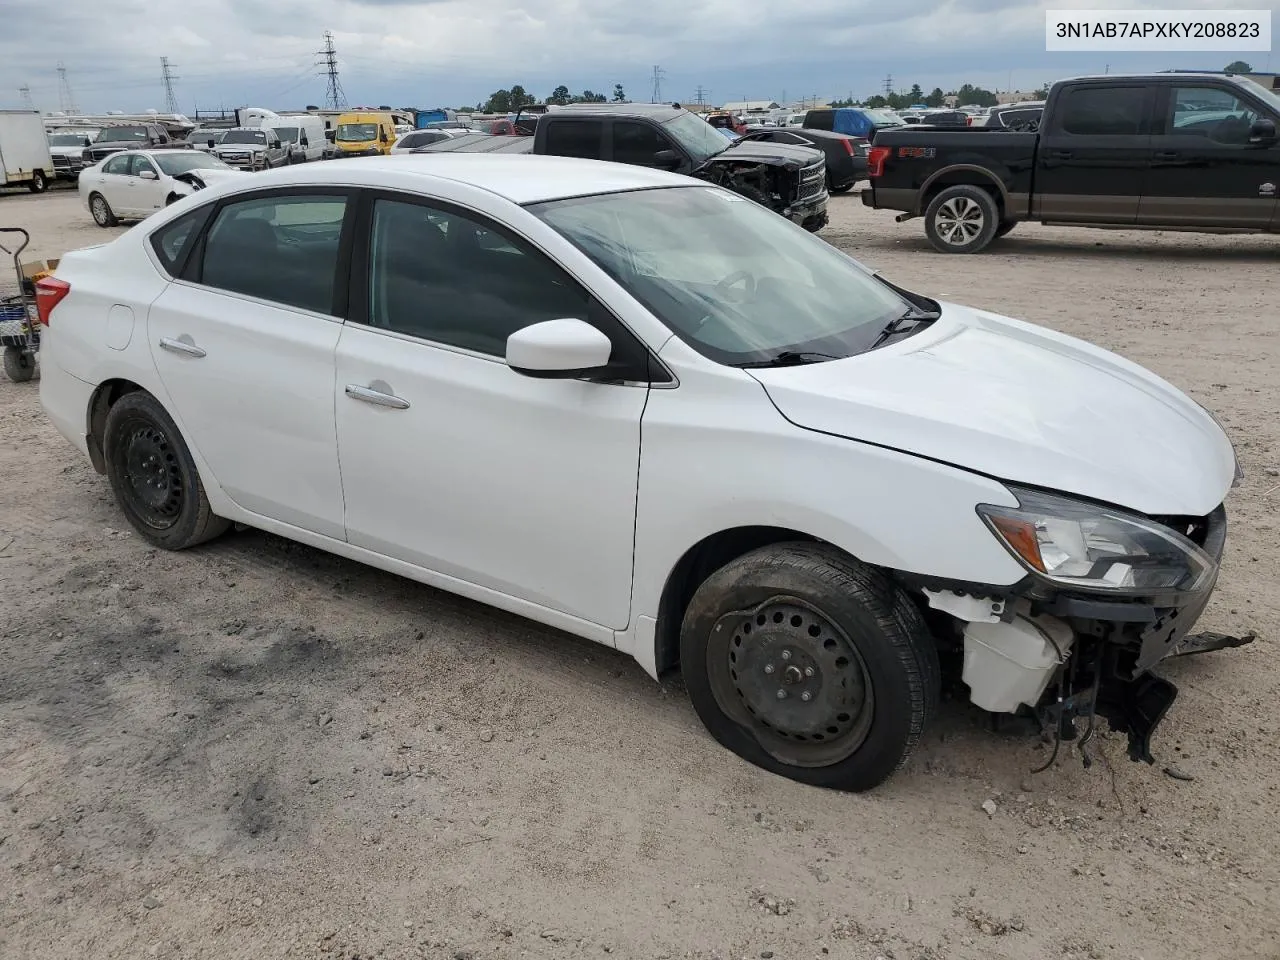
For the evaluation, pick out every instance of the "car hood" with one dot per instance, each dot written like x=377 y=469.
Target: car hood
x=66 y=151
x=1021 y=404
x=752 y=151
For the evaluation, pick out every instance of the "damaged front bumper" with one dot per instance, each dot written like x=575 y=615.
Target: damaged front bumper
x=1099 y=649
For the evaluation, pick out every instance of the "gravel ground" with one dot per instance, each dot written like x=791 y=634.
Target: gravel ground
x=256 y=749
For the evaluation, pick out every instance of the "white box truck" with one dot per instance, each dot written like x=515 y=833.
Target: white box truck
x=24 y=151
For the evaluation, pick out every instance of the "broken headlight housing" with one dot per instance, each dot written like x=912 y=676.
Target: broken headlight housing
x=1088 y=546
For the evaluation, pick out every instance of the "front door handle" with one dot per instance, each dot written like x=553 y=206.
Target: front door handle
x=1167 y=154
x=368 y=395
x=181 y=346
x=1061 y=154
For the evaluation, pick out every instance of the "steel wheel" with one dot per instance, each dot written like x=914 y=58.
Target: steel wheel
x=795 y=679
x=959 y=221
x=153 y=478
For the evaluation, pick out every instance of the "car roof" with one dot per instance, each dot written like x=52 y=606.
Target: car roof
x=518 y=178
x=658 y=111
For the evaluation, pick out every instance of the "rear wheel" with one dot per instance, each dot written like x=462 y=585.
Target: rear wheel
x=153 y=476
x=19 y=364
x=961 y=219
x=810 y=665
x=39 y=182
x=101 y=210
x=844 y=189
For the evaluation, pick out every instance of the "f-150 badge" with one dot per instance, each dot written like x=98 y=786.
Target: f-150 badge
x=1267 y=190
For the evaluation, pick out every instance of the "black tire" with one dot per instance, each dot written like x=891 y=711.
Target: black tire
x=839 y=190
x=806 y=618
x=19 y=364
x=103 y=215
x=961 y=219
x=153 y=476
x=39 y=182
x=171 y=199
x=1005 y=227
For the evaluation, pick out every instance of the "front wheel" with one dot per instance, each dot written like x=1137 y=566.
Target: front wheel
x=39 y=182
x=809 y=664
x=961 y=219
x=153 y=476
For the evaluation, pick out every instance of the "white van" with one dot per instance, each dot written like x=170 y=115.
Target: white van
x=302 y=136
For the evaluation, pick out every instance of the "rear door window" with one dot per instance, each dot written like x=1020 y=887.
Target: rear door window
x=575 y=138
x=1104 y=111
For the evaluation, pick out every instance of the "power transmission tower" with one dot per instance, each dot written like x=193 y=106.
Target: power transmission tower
x=700 y=97
x=888 y=85
x=335 y=96
x=66 y=99
x=27 y=102
x=170 y=98
x=658 y=74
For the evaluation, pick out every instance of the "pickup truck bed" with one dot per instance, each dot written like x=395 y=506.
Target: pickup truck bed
x=1161 y=151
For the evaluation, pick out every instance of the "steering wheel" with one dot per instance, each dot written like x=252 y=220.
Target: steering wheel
x=738 y=276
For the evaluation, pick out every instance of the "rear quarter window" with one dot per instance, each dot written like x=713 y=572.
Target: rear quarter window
x=174 y=240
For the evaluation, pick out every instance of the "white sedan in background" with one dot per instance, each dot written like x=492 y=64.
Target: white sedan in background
x=646 y=411
x=134 y=184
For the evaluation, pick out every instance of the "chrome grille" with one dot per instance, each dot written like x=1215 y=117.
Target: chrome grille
x=812 y=180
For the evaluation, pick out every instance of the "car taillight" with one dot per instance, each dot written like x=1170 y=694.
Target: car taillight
x=848 y=147
x=968 y=121
x=49 y=293
x=875 y=161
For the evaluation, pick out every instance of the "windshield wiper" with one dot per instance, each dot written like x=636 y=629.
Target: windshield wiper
x=791 y=358
x=908 y=321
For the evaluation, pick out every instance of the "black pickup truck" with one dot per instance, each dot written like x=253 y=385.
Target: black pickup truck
x=1166 y=151
x=790 y=180
x=131 y=136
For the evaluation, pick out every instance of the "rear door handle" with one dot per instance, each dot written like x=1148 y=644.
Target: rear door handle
x=368 y=395
x=1167 y=155
x=1061 y=154
x=181 y=346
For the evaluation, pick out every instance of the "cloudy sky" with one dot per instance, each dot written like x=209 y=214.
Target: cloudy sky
x=449 y=52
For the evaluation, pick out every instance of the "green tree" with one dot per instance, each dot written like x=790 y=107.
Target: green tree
x=915 y=93
x=499 y=102
x=560 y=95
x=588 y=96
x=976 y=96
x=1238 y=66
x=618 y=95
x=936 y=98
x=877 y=102
x=1041 y=94
x=520 y=98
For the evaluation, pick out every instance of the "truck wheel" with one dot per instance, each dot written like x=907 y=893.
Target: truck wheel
x=809 y=664
x=19 y=364
x=39 y=182
x=101 y=211
x=961 y=219
x=153 y=476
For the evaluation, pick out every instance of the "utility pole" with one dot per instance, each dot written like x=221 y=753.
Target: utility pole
x=25 y=90
x=658 y=74
x=66 y=99
x=335 y=97
x=170 y=98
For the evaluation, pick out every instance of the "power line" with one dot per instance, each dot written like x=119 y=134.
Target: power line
x=66 y=99
x=27 y=102
x=335 y=96
x=170 y=99
x=658 y=74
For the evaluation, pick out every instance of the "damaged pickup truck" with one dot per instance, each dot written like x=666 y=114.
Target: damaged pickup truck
x=789 y=180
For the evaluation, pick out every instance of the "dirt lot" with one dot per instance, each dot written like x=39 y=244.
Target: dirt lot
x=255 y=749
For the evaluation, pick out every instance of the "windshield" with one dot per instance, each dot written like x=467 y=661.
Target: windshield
x=287 y=134
x=175 y=163
x=1269 y=97
x=881 y=119
x=204 y=136
x=356 y=132
x=118 y=134
x=732 y=279
x=67 y=139
x=699 y=139
x=244 y=136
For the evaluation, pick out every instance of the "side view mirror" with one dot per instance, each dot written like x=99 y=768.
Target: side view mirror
x=1263 y=131
x=275 y=144
x=304 y=142
x=148 y=175
x=558 y=349
x=384 y=137
x=211 y=143
x=666 y=159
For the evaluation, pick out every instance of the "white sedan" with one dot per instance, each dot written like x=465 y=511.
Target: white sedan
x=134 y=184
x=641 y=409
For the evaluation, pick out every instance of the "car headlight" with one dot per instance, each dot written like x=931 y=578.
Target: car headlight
x=1093 y=547
x=1239 y=474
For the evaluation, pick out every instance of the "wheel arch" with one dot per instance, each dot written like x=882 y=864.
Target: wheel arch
x=966 y=174
x=694 y=566
x=100 y=403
